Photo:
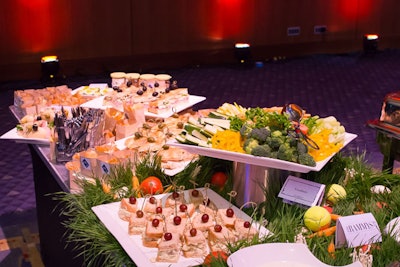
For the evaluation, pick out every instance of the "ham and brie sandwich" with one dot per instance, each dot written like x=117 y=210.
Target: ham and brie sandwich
x=137 y=223
x=128 y=206
x=219 y=237
x=195 y=244
x=226 y=217
x=244 y=229
x=153 y=233
x=203 y=221
x=169 y=248
x=151 y=204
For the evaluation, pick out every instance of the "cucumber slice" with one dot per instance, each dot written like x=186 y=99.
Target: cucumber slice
x=199 y=135
x=191 y=127
x=205 y=133
x=211 y=129
x=194 y=122
x=181 y=139
x=190 y=139
x=217 y=115
x=226 y=124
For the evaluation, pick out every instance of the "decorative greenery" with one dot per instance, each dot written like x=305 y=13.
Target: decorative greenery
x=92 y=240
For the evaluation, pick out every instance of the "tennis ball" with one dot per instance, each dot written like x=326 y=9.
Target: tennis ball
x=335 y=193
x=317 y=218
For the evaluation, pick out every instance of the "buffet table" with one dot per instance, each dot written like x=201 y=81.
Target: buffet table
x=50 y=178
x=251 y=176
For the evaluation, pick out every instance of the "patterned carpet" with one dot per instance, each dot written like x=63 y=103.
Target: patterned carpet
x=350 y=87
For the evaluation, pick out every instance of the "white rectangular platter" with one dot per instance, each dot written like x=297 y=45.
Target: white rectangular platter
x=143 y=256
x=13 y=135
x=193 y=100
x=258 y=161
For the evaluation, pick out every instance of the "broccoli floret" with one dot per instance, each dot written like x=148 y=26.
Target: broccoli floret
x=249 y=144
x=292 y=140
x=301 y=148
x=275 y=141
x=285 y=152
x=274 y=154
x=306 y=159
x=245 y=129
x=261 y=151
x=276 y=134
x=260 y=134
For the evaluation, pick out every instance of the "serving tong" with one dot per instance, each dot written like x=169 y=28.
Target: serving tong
x=295 y=114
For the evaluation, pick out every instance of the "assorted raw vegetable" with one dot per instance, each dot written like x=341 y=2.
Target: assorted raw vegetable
x=265 y=133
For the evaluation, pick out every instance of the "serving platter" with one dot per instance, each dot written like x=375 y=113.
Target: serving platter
x=13 y=135
x=278 y=255
x=193 y=100
x=258 y=161
x=143 y=256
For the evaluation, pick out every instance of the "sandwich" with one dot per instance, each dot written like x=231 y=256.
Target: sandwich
x=176 y=224
x=151 y=204
x=161 y=213
x=226 y=217
x=203 y=221
x=196 y=197
x=175 y=199
x=153 y=232
x=244 y=229
x=219 y=237
x=186 y=210
x=169 y=248
x=128 y=206
x=195 y=244
x=137 y=223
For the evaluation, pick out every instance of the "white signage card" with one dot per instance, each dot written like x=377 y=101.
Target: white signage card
x=85 y=163
x=105 y=168
x=357 y=230
x=306 y=193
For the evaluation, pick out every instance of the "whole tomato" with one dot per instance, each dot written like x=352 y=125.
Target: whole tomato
x=151 y=185
x=215 y=257
x=219 y=179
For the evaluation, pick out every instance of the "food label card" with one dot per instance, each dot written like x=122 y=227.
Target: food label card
x=306 y=193
x=105 y=168
x=357 y=230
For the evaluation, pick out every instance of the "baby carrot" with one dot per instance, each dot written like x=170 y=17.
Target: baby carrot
x=334 y=217
x=326 y=232
x=331 y=248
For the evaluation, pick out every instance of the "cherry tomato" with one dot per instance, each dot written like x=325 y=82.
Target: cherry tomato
x=151 y=185
x=215 y=256
x=219 y=179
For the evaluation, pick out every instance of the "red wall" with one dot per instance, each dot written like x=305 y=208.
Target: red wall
x=132 y=35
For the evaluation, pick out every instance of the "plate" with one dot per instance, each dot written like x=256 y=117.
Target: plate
x=277 y=255
x=259 y=161
x=193 y=100
x=393 y=229
x=13 y=135
x=143 y=256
